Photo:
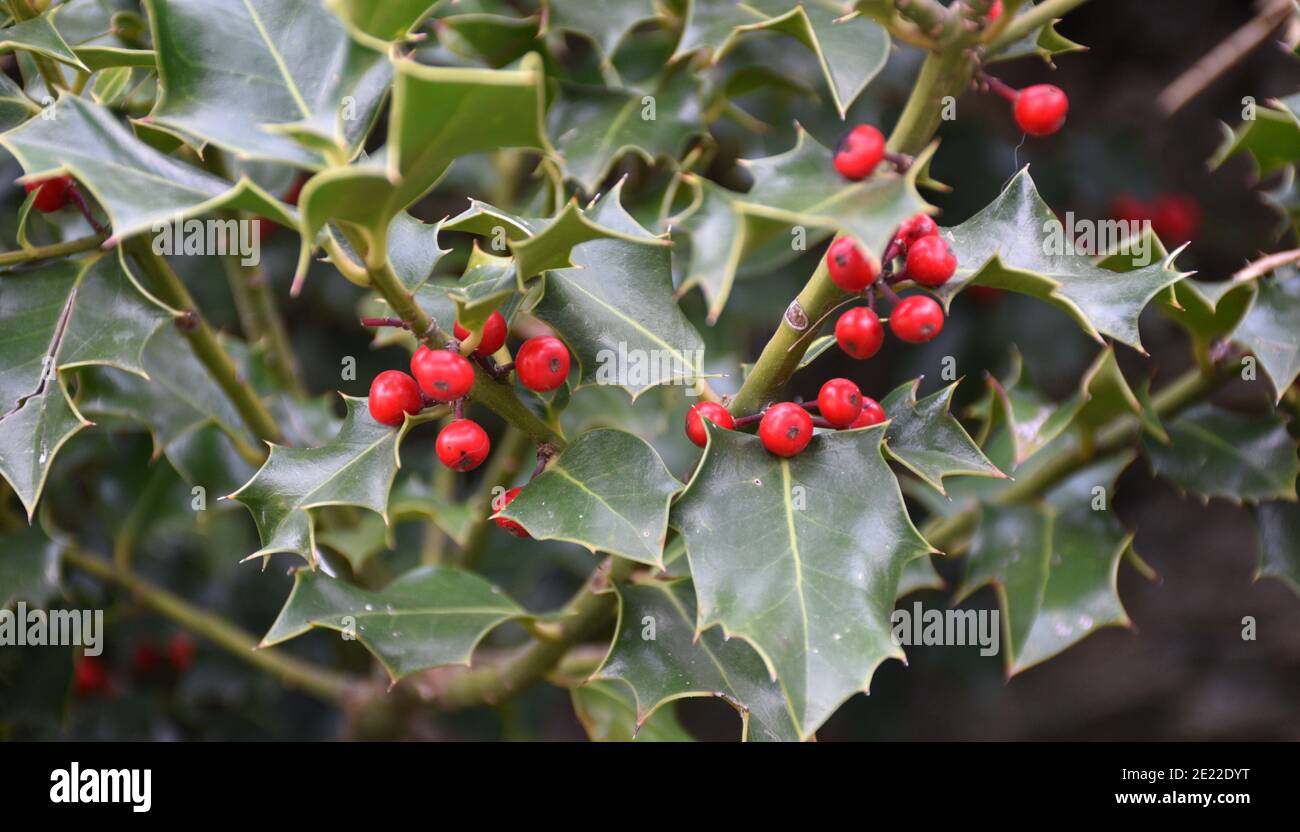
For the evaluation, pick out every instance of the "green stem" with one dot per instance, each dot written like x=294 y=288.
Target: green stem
x=28 y=255
x=580 y=619
x=203 y=340
x=1040 y=15
x=292 y=671
x=260 y=319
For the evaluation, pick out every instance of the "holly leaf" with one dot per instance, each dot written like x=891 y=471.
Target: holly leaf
x=615 y=309
x=384 y=22
x=797 y=188
x=29 y=568
x=429 y=617
x=604 y=22
x=593 y=127
x=675 y=662
x=140 y=188
x=607 y=713
x=1214 y=452
x=1271 y=140
x=1209 y=311
x=608 y=491
x=1279 y=542
x=1054 y=566
x=927 y=440
x=1044 y=42
x=356 y=468
x=802 y=558
x=416 y=498
x=364 y=197
x=1271 y=327
x=487 y=283
x=488 y=30
x=279 y=79
x=1016 y=243
x=39 y=37
x=30 y=436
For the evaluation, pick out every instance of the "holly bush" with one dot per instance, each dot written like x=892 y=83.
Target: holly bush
x=575 y=223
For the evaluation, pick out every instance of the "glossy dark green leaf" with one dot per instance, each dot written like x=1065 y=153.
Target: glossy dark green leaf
x=1016 y=243
x=15 y=106
x=139 y=187
x=605 y=22
x=1279 y=542
x=659 y=657
x=30 y=436
x=413 y=497
x=29 y=567
x=39 y=37
x=608 y=491
x=1054 y=565
x=1271 y=139
x=1271 y=328
x=607 y=712
x=802 y=558
x=487 y=283
x=356 y=468
x=1220 y=453
x=245 y=76
x=487 y=30
x=1043 y=42
x=427 y=618
x=927 y=440
x=388 y=20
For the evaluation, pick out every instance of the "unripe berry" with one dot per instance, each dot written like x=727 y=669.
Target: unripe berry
x=542 y=363
x=785 y=429
x=392 y=395
x=850 y=268
x=859 y=152
x=715 y=413
x=930 y=261
x=51 y=194
x=462 y=445
x=494 y=335
x=1040 y=110
x=872 y=414
x=916 y=319
x=509 y=525
x=839 y=402
x=443 y=375
x=914 y=228
x=859 y=333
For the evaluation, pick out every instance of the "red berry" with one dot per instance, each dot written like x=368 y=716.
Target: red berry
x=393 y=394
x=916 y=319
x=494 y=335
x=859 y=152
x=995 y=11
x=51 y=194
x=509 y=525
x=715 y=413
x=914 y=228
x=443 y=375
x=1128 y=208
x=839 y=402
x=1040 y=110
x=785 y=429
x=180 y=651
x=542 y=363
x=859 y=333
x=90 y=676
x=872 y=414
x=850 y=268
x=145 y=658
x=930 y=261
x=1175 y=218
x=463 y=445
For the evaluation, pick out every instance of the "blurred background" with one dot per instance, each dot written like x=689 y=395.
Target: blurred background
x=1184 y=672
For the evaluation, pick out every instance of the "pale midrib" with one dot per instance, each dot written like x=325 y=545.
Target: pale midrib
x=798 y=564
x=556 y=469
x=279 y=61
x=630 y=321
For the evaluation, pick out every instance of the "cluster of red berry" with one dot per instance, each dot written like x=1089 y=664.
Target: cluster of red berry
x=91 y=676
x=444 y=375
x=1174 y=217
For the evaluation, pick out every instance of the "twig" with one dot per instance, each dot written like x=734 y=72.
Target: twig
x=1264 y=265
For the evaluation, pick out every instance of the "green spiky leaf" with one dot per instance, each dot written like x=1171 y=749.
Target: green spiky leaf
x=924 y=436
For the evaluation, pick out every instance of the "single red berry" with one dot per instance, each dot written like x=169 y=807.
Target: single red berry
x=859 y=333
x=995 y=11
x=462 y=445
x=1040 y=110
x=393 y=394
x=509 y=525
x=51 y=194
x=850 y=268
x=180 y=652
x=443 y=375
x=785 y=429
x=914 y=228
x=715 y=413
x=1175 y=218
x=494 y=335
x=872 y=414
x=542 y=363
x=90 y=676
x=930 y=261
x=916 y=319
x=859 y=152
x=839 y=402
x=145 y=658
